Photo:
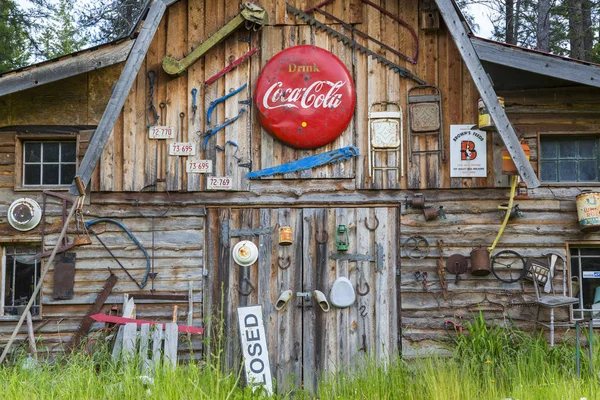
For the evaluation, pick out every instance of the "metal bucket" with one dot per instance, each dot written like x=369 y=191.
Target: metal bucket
x=588 y=211
x=480 y=262
x=485 y=120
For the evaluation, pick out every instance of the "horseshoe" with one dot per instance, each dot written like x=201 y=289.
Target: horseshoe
x=376 y=224
x=247 y=293
x=367 y=290
x=322 y=237
x=284 y=265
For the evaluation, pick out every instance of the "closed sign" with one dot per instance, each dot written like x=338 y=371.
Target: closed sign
x=254 y=347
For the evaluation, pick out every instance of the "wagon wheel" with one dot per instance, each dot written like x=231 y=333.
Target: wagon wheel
x=511 y=261
x=416 y=247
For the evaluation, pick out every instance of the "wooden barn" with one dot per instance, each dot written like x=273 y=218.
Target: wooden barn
x=338 y=163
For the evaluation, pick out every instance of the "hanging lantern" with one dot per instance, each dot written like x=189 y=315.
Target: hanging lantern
x=341 y=238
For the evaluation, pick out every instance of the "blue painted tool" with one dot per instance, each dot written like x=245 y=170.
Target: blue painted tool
x=334 y=156
x=211 y=132
x=214 y=103
x=194 y=105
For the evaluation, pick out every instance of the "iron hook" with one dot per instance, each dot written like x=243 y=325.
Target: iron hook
x=247 y=293
x=363 y=311
x=376 y=224
x=284 y=265
x=367 y=290
x=322 y=237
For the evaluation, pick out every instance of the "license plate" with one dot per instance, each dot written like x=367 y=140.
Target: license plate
x=219 y=183
x=161 y=132
x=182 y=149
x=198 y=166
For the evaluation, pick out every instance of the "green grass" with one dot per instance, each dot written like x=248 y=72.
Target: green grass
x=489 y=362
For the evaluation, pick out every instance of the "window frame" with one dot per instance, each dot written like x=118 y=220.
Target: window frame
x=562 y=133
x=569 y=246
x=3 y=245
x=20 y=162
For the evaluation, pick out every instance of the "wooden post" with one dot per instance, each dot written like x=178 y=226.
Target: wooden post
x=32 y=346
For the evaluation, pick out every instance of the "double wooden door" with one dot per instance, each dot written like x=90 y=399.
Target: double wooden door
x=305 y=342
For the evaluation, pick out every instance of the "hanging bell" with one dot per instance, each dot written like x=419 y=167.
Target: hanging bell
x=341 y=238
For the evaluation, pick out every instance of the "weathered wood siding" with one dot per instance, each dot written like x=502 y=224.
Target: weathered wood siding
x=178 y=259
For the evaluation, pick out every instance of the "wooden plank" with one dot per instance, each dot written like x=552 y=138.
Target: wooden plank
x=157 y=349
x=544 y=64
x=170 y=349
x=145 y=362
x=487 y=93
x=52 y=71
x=121 y=90
x=129 y=342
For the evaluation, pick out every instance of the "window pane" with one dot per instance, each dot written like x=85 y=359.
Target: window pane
x=590 y=251
x=567 y=148
x=68 y=152
x=67 y=174
x=32 y=174
x=51 y=152
x=567 y=171
x=549 y=173
x=549 y=149
x=588 y=148
x=32 y=151
x=50 y=174
x=588 y=171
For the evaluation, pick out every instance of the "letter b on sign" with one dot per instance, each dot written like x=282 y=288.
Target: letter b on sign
x=467 y=150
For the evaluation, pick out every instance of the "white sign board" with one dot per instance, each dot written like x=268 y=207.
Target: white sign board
x=182 y=149
x=468 y=152
x=591 y=274
x=198 y=166
x=219 y=183
x=254 y=348
x=161 y=132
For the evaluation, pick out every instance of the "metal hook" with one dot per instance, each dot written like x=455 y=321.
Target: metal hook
x=367 y=290
x=322 y=237
x=363 y=311
x=247 y=293
x=376 y=224
x=286 y=264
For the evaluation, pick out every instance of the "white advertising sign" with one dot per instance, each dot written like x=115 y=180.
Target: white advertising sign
x=468 y=152
x=254 y=348
x=591 y=274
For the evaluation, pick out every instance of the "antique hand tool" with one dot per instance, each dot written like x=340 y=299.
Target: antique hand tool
x=347 y=41
x=252 y=15
x=214 y=103
x=231 y=66
x=211 y=132
x=334 y=156
x=194 y=104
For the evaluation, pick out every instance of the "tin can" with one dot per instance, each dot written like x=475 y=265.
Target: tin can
x=588 y=211
x=285 y=236
x=485 y=120
x=480 y=262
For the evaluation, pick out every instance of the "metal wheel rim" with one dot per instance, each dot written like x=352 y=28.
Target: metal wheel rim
x=518 y=257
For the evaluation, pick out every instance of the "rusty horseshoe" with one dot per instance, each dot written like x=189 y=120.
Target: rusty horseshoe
x=376 y=224
x=247 y=293
x=284 y=263
x=366 y=292
x=322 y=237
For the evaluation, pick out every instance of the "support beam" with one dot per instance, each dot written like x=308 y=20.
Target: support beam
x=528 y=60
x=120 y=92
x=486 y=91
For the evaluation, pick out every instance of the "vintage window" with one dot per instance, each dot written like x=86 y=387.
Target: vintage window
x=569 y=158
x=49 y=163
x=19 y=278
x=585 y=278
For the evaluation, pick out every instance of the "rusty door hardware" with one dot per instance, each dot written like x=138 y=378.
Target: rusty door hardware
x=441 y=270
x=329 y=157
x=365 y=292
x=425 y=118
x=322 y=237
x=303 y=299
x=377 y=258
x=297 y=351
x=284 y=263
x=87 y=322
x=151 y=113
x=342 y=241
x=252 y=15
x=213 y=104
x=252 y=232
x=249 y=291
x=211 y=132
x=363 y=311
x=347 y=41
x=374 y=227
x=231 y=66
x=416 y=247
x=364 y=343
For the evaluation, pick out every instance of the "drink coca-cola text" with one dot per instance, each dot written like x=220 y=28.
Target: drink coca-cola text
x=313 y=96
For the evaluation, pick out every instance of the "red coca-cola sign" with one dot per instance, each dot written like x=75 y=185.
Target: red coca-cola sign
x=305 y=97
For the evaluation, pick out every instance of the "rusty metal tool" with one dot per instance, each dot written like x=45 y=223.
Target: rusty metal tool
x=121 y=320
x=84 y=328
x=334 y=156
x=231 y=66
x=252 y=15
x=151 y=113
x=214 y=103
x=442 y=271
x=356 y=46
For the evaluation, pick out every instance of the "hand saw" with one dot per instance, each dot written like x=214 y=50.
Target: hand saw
x=334 y=156
x=347 y=41
x=254 y=17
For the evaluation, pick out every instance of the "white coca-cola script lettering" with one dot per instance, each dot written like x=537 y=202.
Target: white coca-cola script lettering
x=308 y=97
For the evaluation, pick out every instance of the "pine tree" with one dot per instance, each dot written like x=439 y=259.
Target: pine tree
x=14 y=46
x=60 y=36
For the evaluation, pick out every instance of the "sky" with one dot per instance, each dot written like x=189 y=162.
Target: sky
x=481 y=14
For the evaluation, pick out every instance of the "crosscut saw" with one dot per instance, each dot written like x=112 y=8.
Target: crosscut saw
x=356 y=46
x=252 y=15
x=330 y=157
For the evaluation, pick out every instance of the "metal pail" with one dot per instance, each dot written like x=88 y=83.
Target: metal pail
x=480 y=262
x=588 y=211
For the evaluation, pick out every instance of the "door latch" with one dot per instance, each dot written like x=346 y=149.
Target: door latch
x=303 y=299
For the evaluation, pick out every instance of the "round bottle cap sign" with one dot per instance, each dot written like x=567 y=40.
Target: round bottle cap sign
x=305 y=97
